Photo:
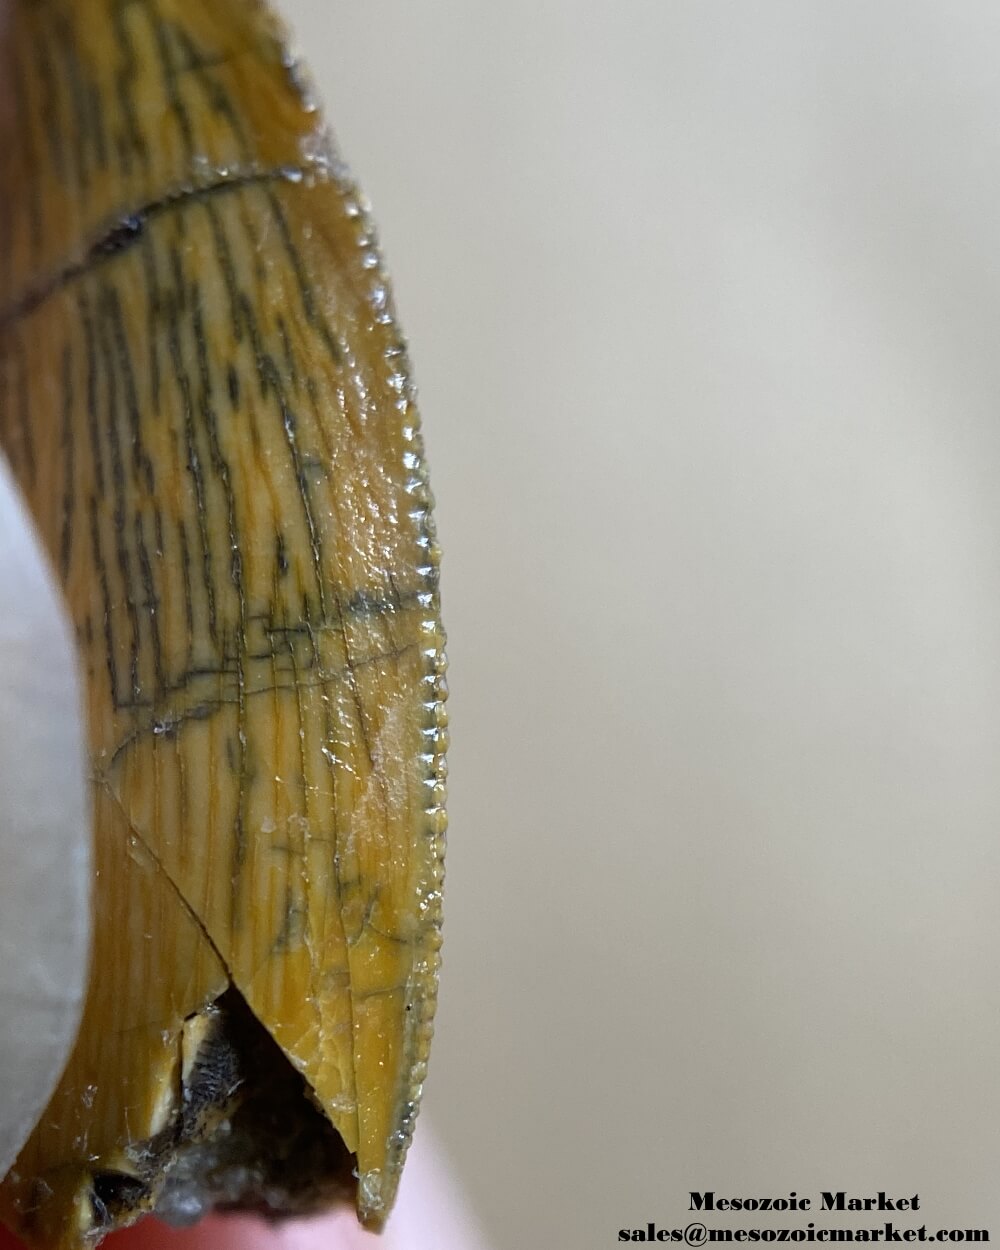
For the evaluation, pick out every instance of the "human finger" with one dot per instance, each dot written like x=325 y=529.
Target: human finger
x=44 y=830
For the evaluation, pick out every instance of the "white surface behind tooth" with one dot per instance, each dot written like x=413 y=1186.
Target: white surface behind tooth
x=44 y=832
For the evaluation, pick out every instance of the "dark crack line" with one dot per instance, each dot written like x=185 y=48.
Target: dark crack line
x=129 y=227
x=181 y=897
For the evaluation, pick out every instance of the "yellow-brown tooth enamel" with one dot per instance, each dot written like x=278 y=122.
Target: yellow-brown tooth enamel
x=206 y=400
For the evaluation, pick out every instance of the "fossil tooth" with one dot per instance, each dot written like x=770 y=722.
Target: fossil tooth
x=205 y=398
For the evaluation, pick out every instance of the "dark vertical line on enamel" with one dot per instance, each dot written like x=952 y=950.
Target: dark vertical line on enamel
x=163 y=35
x=112 y=430
x=222 y=471
x=68 y=445
x=154 y=309
x=142 y=466
x=25 y=424
x=175 y=305
x=131 y=143
x=102 y=577
x=151 y=604
x=188 y=594
x=93 y=421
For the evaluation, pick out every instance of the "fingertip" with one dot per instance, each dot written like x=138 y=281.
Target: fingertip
x=8 y=1241
x=430 y=1214
x=431 y=1211
x=336 y=1231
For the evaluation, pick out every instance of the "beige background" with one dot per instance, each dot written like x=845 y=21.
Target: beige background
x=704 y=303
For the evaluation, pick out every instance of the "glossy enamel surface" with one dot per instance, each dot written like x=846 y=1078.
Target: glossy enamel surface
x=206 y=398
